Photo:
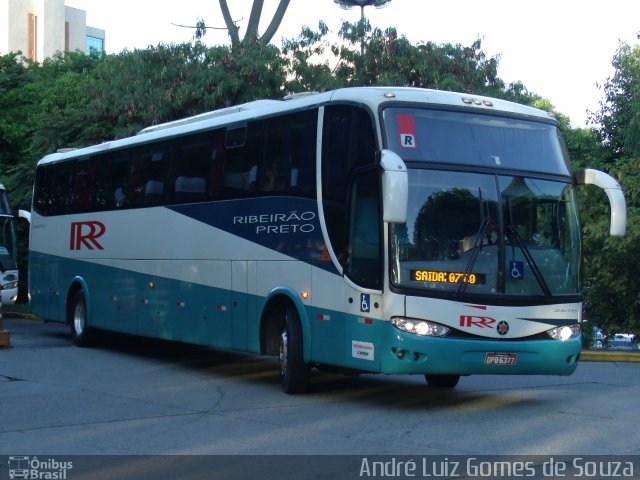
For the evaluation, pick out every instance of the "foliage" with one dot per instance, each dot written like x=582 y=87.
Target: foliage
x=319 y=64
x=619 y=117
x=610 y=270
x=612 y=293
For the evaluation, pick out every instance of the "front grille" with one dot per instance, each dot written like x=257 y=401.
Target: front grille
x=466 y=335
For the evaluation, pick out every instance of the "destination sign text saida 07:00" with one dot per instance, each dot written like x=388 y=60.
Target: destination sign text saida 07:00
x=447 y=277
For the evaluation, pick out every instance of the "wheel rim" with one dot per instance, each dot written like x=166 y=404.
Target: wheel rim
x=79 y=318
x=283 y=352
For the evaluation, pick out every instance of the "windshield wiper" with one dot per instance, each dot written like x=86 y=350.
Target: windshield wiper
x=477 y=244
x=513 y=233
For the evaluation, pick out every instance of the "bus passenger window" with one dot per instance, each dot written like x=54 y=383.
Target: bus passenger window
x=153 y=176
x=192 y=168
x=289 y=165
x=113 y=182
x=242 y=151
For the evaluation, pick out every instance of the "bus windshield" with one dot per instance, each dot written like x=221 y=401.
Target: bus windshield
x=487 y=234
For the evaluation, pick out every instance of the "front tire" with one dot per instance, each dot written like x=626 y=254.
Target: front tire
x=81 y=333
x=442 y=381
x=295 y=375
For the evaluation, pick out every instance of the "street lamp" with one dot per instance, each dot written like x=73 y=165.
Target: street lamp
x=349 y=4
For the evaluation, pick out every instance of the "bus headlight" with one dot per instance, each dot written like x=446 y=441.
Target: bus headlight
x=564 y=333
x=10 y=286
x=419 y=327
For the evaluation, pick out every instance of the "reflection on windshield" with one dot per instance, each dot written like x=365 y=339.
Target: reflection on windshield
x=482 y=234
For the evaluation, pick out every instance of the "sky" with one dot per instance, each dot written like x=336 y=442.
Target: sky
x=559 y=49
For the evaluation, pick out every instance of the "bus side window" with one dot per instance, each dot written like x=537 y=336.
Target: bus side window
x=40 y=193
x=242 y=151
x=192 y=168
x=113 y=184
x=288 y=165
x=83 y=185
x=57 y=192
x=153 y=175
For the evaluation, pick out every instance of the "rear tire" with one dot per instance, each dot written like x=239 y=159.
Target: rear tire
x=81 y=333
x=295 y=375
x=442 y=381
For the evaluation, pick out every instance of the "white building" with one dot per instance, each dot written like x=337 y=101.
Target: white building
x=40 y=28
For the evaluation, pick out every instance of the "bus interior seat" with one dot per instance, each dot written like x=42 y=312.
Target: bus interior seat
x=153 y=191
x=235 y=181
x=190 y=188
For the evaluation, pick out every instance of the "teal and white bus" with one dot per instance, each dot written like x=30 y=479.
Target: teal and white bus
x=385 y=230
x=8 y=252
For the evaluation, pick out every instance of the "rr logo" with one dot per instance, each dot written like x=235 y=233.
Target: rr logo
x=86 y=233
x=473 y=321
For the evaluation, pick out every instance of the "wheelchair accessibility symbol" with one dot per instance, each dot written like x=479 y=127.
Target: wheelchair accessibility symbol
x=516 y=270
x=365 y=302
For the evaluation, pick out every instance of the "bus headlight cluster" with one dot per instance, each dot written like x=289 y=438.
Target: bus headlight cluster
x=564 y=333
x=419 y=327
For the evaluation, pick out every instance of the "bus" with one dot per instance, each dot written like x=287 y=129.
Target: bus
x=8 y=252
x=385 y=230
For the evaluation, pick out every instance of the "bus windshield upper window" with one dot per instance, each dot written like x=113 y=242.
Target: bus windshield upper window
x=439 y=136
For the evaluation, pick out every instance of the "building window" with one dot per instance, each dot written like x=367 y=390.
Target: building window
x=94 y=43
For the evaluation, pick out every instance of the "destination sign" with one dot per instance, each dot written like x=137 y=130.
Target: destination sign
x=448 y=277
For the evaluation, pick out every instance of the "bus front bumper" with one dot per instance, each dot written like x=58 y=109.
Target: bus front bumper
x=408 y=353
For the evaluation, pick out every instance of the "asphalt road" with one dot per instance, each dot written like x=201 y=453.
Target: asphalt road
x=141 y=397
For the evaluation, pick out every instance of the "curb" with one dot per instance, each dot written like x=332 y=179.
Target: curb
x=26 y=316
x=592 y=356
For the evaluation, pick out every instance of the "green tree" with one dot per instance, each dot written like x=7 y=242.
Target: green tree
x=390 y=59
x=619 y=117
x=612 y=290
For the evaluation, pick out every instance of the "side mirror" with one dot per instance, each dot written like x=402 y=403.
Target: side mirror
x=612 y=188
x=395 y=187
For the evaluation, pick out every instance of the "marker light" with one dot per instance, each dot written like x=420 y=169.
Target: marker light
x=304 y=295
x=419 y=327
x=564 y=333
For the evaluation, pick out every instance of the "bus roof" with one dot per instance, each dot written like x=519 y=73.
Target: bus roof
x=372 y=97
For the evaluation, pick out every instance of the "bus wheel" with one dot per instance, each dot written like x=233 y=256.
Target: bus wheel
x=81 y=333
x=444 y=381
x=295 y=375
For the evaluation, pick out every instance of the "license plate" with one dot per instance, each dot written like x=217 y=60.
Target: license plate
x=493 y=358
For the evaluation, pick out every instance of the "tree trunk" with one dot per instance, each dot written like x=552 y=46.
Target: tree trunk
x=252 y=34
